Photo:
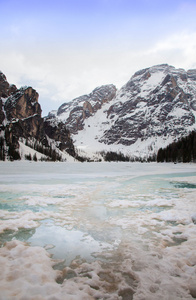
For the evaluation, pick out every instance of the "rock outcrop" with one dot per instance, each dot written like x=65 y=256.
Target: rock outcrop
x=61 y=135
x=74 y=113
x=5 y=88
x=20 y=118
x=23 y=103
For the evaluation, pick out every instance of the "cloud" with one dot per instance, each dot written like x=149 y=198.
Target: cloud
x=179 y=49
x=59 y=75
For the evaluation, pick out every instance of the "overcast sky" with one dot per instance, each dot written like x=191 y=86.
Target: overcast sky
x=66 y=48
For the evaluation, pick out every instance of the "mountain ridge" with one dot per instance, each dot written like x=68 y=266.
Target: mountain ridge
x=154 y=108
x=74 y=113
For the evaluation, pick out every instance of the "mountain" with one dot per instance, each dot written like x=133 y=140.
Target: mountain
x=154 y=108
x=75 y=112
x=23 y=132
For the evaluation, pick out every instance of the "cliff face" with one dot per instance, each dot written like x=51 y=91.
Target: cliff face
x=5 y=88
x=22 y=104
x=20 y=118
x=60 y=134
x=156 y=102
x=23 y=115
x=74 y=113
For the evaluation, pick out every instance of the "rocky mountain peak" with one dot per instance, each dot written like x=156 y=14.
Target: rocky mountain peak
x=156 y=106
x=74 y=113
x=23 y=104
x=5 y=88
x=20 y=119
x=157 y=101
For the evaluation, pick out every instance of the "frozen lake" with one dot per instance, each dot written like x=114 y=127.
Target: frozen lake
x=115 y=231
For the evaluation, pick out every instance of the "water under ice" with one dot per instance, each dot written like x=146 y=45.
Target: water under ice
x=97 y=231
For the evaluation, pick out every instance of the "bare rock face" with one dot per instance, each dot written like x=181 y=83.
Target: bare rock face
x=23 y=104
x=5 y=88
x=59 y=133
x=23 y=115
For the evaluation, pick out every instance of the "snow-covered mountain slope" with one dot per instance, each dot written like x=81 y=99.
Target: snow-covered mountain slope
x=76 y=111
x=155 y=107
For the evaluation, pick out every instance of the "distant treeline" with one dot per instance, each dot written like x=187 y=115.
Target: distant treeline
x=183 y=150
x=10 y=152
x=114 y=156
x=50 y=153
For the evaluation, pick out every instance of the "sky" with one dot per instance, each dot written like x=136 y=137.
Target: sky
x=66 y=48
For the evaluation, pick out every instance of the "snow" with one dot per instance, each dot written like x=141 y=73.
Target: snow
x=152 y=82
x=126 y=231
x=64 y=116
x=25 y=150
x=178 y=112
x=87 y=141
x=4 y=99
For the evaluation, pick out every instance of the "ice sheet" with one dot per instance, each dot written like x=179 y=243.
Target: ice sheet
x=97 y=231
